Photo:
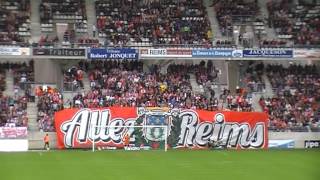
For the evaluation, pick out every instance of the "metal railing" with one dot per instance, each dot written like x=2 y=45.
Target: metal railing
x=143 y=45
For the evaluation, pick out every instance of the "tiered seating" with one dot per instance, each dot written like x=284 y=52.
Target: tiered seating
x=12 y=109
x=274 y=43
x=234 y=11
x=14 y=22
x=253 y=77
x=152 y=22
x=204 y=72
x=72 y=11
x=240 y=101
x=259 y=28
x=73 y=79
x=297 y=101
x=49 y=101
x=225 y=43
x=48 y=41
x=23 y=74
x=123 y=83
x=2 y=80
x=88 y=42
x=299 y=23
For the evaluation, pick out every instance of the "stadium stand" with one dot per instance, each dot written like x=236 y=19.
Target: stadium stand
x=296 y=101
x=253 y=78
x=48 y=41
x=296 y=22
x=88 y=42
x=13 y=111
x=23 y=74
x=73 y=78
x=234 y=11
x=152 y=22
x=294 y=106
x=116 y=83
x=123 y=83
x=14 y=22
x=49 y=101
x=274 y=43
x=71 y=12
x=12 y=108
x=2 y=80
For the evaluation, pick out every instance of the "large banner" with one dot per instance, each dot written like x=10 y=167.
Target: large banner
x=268 y=53
x=14 y=51
x=13 y=132
x=185 y=128
x=124 y=53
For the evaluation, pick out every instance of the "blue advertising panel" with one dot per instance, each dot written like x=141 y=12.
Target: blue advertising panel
x=216 y=53
x=121 y=53
x=282 y=144
x=268 y=53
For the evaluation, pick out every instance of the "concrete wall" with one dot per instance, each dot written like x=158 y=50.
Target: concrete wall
x=36 y=138
x=47 y=71
x=233 y=75
x=298 y=137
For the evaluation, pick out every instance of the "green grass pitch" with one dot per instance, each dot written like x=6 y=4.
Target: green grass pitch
x=160 y=165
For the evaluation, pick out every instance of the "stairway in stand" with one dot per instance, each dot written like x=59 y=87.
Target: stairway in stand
x=198 y=89
x=35 y=20
x=32 y=111
x=9 y=91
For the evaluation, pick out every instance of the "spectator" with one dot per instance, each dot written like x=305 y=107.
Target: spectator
x=49 y=101
x=296 y=100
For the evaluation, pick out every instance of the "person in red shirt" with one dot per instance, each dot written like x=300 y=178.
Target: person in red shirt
x=46 y=142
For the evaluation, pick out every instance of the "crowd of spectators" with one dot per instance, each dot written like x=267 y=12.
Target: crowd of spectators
x=49 y=101
x=230 y=11
x=23 y=74
x=13 y=111
x=240 y=101
x=2 y=80
x=73 y=78
x=12 y=108
x=69 y=36
x=296 y=103
x=48 y=41
x=252 y=80
x=125 y=22
x=14 y=21
x=88 y=42
x=301 y=22
x=224 y=43
x=72 y=9
x=72 y=12
x=124 y=84
x=204 y=72
x=274 y=43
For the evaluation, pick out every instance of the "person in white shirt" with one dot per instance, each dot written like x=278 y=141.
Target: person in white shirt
x=94 y=29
